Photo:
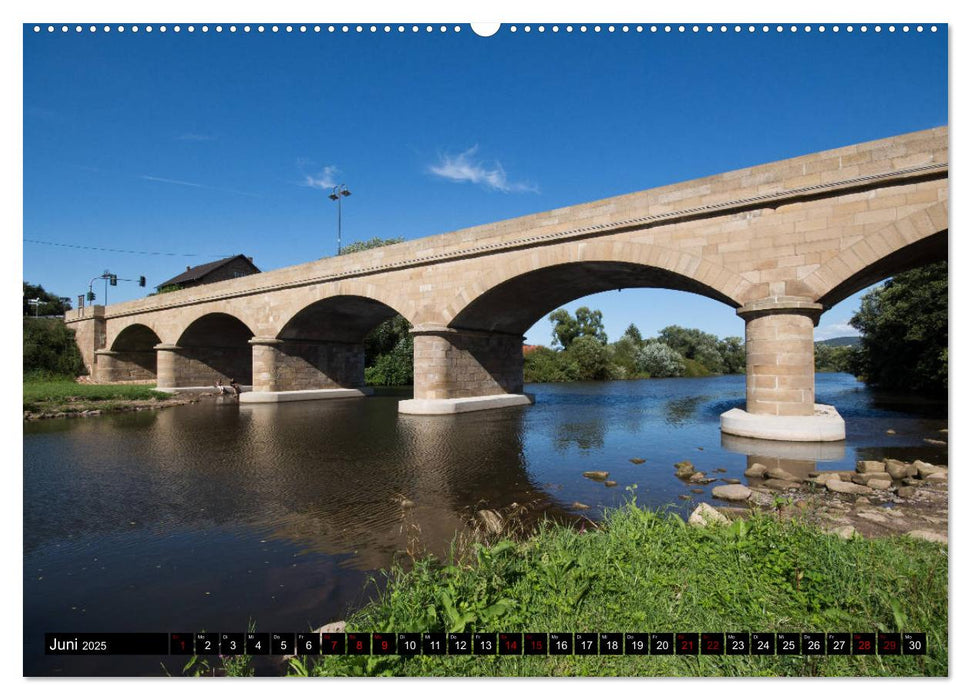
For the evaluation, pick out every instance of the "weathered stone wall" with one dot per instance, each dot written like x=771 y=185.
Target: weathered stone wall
x=89 y=329
x=204 y=366
x=452 y=364
x=319 y=365
x=128 y=366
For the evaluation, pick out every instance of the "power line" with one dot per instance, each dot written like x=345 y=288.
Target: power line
x=132 y=252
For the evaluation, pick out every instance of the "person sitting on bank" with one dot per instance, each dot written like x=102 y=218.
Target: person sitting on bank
x=235 y=387
x=221 y=389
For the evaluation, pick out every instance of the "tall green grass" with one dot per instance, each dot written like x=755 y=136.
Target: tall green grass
x=649 y=572
x=43 y=391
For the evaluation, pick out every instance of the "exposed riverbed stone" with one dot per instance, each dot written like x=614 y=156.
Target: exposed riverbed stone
x=846 y=532
x=576 y=505
x=636 y=460
x=731 y=492
x=899 y=470
x=596 y=475
x=780 y=485
x=610 y=483
x=936 y=477
x=907 y=491
x=729 y=480
x=868 y=465
x=761 y=498
x=696 y=477
x=847 y=487
x=880 y=484
x=705 y=515
x=928 y=535
x=780 y=473
x=756 y=470
x=924 y=468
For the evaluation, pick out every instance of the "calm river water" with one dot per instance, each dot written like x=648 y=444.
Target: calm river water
x=208 y=516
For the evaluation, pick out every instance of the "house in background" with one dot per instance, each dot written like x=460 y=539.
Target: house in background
x=217 y=271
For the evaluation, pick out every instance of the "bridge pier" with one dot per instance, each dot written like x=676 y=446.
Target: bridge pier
x=300 y=370
x=457 y=371
x=113 y=366
x=780 y=375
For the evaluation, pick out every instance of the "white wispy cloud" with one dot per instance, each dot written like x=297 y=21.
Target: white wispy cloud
x=463 y=167
x=192 y=136
x=184 y=183
x=836 y=330
x=325 y=179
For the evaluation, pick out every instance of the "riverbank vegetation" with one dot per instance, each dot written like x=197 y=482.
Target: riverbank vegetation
x=51 y=394
x=643 y=571
x=581 y=352
x=903 y=328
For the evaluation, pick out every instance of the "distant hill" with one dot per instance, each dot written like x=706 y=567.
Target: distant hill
x=851 y=340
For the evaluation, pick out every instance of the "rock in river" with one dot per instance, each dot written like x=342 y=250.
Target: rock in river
x=865 y=466
x=756 y=470
x=596 y=476
x=636 y=460
x=684 y=469
x=732 y=492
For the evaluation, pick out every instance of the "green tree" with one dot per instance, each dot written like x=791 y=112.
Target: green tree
x=50 y=305
x=586 y=323
x=358 y=246
x=547 y=365
x=49 y=348
x=696 y=345
x=657 y=359
x=831 y=358
x=591 y=357
x=732 y=351
x=903 y=324
x=634 y=334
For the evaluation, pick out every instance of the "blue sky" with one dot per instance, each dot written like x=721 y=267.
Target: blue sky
x=212 y=144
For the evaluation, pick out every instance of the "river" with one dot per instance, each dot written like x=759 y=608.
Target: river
x=212 y=515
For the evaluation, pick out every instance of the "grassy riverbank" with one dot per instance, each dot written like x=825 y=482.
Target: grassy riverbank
x=644 y=571
x=51 y=395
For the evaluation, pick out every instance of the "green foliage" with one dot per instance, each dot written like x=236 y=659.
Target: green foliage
x=646 y=571
x=655 y=359
x=732 y=351
x=591 y=358
x=546 y=365
x=68 y=394
x=586 y=323
x=694 y=344
x=834 y=358
x=904 y=332
x=358 y=246
x=50 y=305
x=166 y=289
x=633 y=333
x=395 y=368
x=49 y=349
x=389 y=354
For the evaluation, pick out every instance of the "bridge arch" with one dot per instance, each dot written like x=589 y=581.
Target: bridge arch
x=213 y=347
x=131 y=356
x=512 y=296
x=912 y=241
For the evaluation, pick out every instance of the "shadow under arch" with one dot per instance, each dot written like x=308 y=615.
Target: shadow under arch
x=514 y=305
x=345 y=318
x=322 y=346
x=131 y=357
x=215 y=347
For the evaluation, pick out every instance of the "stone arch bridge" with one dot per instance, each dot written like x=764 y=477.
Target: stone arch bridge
x=776 y=243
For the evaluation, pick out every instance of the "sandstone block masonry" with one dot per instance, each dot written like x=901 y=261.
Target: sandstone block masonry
x=778 y=243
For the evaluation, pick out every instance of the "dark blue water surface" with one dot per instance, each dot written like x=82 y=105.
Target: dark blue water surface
x=212 y=515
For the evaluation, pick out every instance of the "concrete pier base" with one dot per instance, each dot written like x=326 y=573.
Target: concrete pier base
x=302 y=395
x=825 y=425
x=433 y=407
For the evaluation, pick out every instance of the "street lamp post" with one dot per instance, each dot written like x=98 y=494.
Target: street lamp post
x=337 y=194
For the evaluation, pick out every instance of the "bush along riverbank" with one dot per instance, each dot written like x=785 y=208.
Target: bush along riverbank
x=47 y=396
x=644 y=571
